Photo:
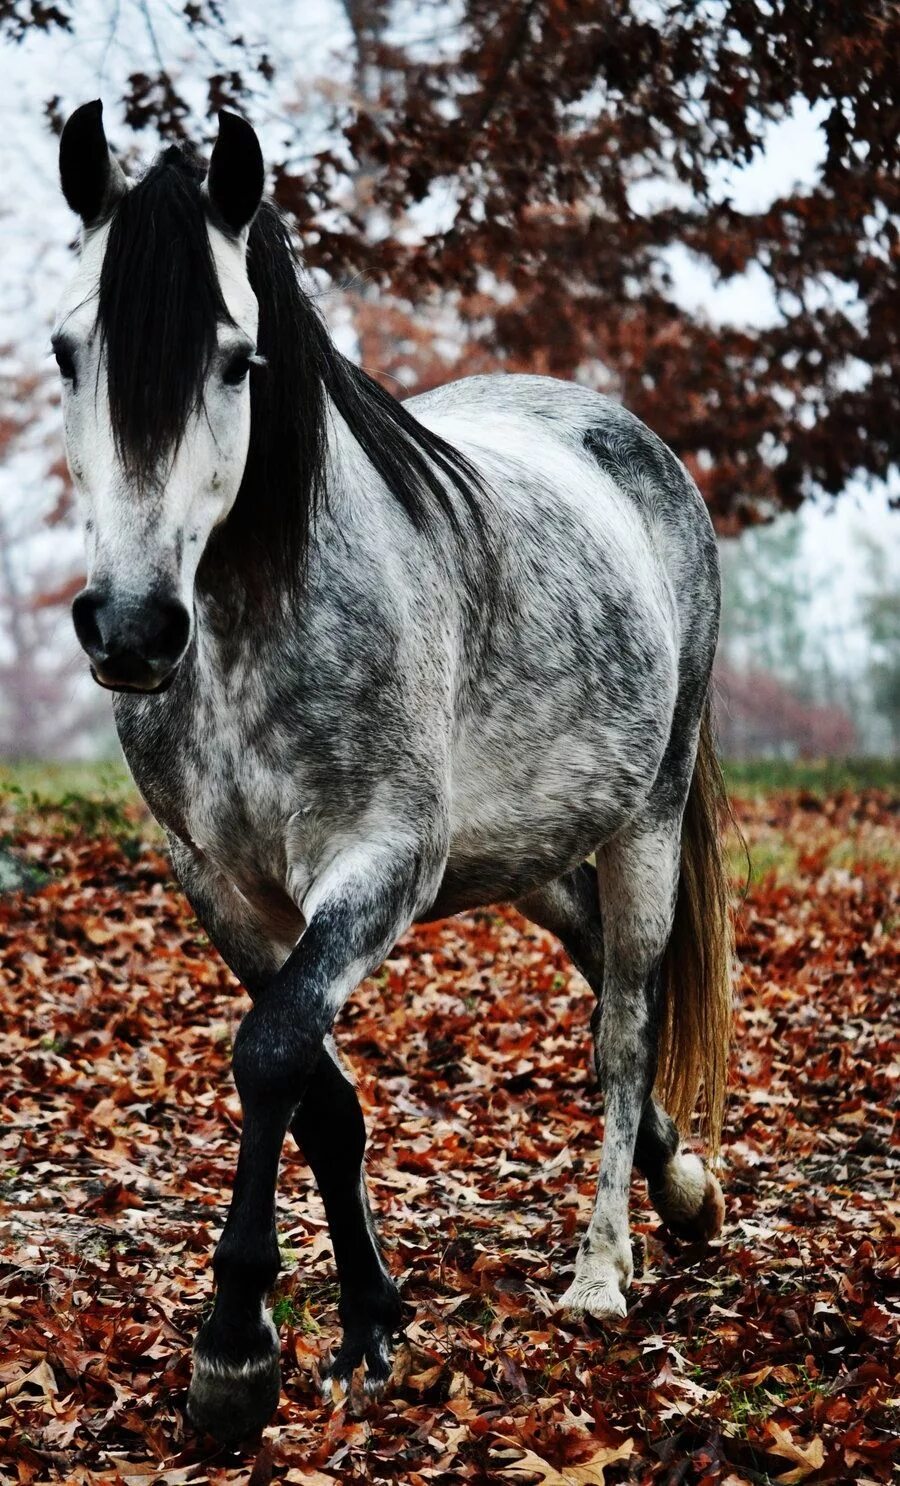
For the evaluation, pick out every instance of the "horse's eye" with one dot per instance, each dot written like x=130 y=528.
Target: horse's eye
x=65 y=361
x=236 y=370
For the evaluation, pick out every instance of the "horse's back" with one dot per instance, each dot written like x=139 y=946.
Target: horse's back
x=594 y=456
x=597 y=510
x=604 y=548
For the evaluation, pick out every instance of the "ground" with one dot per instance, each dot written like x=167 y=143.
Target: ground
x=771 y=1355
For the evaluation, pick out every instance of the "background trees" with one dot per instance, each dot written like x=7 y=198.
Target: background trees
x=881 y=609
x=528 y=185
x=565 y=152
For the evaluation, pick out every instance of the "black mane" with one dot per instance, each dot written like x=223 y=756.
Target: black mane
x=159 y=306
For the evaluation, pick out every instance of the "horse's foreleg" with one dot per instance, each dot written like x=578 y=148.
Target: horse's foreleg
x=329 y=1129
x=354 y=915
x=638 y=877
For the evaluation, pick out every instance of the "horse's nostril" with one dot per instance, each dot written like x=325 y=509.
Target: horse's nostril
x=170 y=632
x=132 y=642
x=86 y=609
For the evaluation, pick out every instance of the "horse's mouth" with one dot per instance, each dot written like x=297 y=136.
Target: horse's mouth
x=129 y=689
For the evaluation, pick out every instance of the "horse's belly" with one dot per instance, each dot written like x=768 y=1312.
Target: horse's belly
x=526 y=809
x=473 y=878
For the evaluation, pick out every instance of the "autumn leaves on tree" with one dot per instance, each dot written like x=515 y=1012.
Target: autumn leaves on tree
x=510 y=189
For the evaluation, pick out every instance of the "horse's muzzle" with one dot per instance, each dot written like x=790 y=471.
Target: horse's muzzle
x=134 y=644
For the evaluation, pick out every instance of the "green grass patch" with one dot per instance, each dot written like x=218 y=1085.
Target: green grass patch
x=776 y=856
x=772 y=856
x=816 y=776
x=292 y=1308
x=747 y=1406
x=93 y=800
x=883 y=846
x=285 y=1311
x=52 y=784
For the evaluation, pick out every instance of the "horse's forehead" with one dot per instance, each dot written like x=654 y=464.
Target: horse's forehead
x=79 y=307
x=230 y=258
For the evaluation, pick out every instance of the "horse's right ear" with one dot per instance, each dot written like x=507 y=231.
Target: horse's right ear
x=92 y=181
x=237 y=175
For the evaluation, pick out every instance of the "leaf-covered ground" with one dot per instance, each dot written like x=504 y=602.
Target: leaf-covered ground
x=772 y=1355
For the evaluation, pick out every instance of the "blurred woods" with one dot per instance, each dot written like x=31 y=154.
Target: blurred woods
x=800 y=673
x=487 y=185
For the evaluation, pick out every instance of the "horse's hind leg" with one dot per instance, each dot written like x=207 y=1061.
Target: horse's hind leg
x=684 y=1192
x=686 y=1196
x=638 y=877
x=569 y=907
x=329 y=1129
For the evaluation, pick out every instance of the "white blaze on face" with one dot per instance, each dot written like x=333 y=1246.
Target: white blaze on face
x=137 y=539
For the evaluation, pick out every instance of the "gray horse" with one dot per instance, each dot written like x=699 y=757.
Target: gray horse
x=376 y=663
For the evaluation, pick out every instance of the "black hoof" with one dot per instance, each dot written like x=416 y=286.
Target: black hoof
x=373 y=1346
x=234 y=1400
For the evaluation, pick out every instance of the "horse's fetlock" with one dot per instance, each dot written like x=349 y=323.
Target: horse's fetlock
x=253 y=1267
x=379 y=1306
x=236 y=1343
x=688 y=1198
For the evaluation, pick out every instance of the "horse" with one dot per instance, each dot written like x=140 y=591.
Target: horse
x=379 y=662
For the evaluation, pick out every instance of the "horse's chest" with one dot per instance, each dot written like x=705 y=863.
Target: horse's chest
x=235 y=810
x=205 y=781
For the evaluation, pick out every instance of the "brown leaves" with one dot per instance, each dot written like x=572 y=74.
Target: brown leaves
x=807 y=1460
x=525 y=1465
x=773 y=1354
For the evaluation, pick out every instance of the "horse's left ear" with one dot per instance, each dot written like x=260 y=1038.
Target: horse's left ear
x=236 y=172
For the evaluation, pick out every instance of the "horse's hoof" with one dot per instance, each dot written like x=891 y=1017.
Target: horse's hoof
x=374 y=1347
x=689 y=1199
x=599 y=1286
x=599 y=1296
x=232 y=1400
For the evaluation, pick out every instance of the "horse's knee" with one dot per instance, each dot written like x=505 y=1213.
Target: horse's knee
x=275 y=1052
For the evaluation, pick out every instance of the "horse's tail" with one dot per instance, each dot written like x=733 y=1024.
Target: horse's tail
x=696 y=997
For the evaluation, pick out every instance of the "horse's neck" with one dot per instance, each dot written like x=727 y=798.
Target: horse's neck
x=364 y=557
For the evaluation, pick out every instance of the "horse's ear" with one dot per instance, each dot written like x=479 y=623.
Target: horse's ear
x=92 y=180
x=236 y=172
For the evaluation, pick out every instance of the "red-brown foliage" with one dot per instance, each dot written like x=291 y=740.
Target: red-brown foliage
x=772 y=1355
x=537 y=120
